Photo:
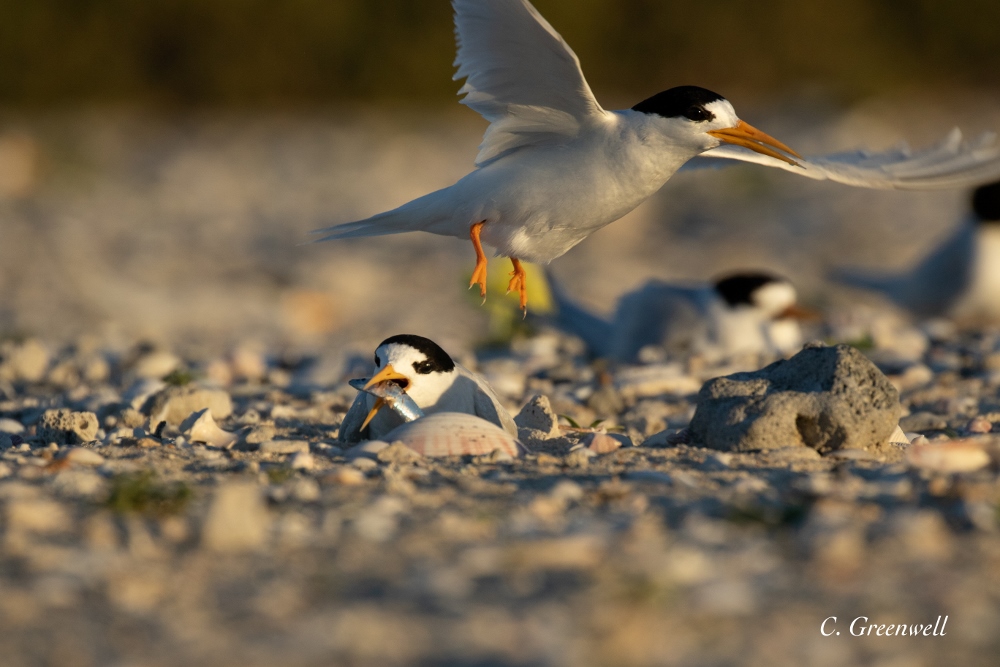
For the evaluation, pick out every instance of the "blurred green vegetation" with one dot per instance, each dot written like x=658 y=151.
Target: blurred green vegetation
x=268 y=52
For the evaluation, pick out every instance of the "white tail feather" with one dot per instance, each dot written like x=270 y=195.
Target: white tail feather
x=421 y=214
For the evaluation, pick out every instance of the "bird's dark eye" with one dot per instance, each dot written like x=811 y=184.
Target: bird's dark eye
x=377 y=362
x=698 y=114
x=423 y=367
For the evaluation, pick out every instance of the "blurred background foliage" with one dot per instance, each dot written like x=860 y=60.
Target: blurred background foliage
x=251 y=53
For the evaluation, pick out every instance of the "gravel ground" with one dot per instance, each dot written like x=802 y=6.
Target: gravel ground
x=125 y=547
x=138 y=248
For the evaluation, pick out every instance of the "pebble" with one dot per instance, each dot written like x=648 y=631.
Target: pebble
x=345 y=475
x=237 y=519
x=67 y=427
x=201 y=427
x=37 y=515
x=362 y=463
x=284 y=447
x=175 y=404
x=83 y=456
x=952 y=456
x=602 y=443
x=302 y=461
x=923 y=421
x=398 y=453
x=538 y=416
x=979 y=425
x=11 y=426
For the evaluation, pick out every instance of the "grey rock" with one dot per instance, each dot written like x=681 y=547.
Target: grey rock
x=174 y=404
x=538 y=415
x=64 y=426
x=824 y=398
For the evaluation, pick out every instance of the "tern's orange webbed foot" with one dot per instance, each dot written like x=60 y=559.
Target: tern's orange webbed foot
x=479 y=273
x=519 y=282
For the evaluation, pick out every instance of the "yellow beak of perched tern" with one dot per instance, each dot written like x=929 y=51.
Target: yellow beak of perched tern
x=386 y=374
x=748 y=136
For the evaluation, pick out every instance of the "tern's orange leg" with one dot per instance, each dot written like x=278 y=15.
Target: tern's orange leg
x=519 y=282
x=479 y=273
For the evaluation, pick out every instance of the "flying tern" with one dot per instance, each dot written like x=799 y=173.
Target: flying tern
x=554 y=166
x=431 y=379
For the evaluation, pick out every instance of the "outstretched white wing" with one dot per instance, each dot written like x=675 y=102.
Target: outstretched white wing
x=520 y=75
x=951 y=163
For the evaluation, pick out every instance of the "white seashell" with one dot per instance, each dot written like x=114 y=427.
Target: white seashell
x=204 y=429
x=949 y=457
x=453 y=434
x=898 y=437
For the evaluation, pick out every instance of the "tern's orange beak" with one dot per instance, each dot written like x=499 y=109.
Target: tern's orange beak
x=748 y=136
x=379 y=402
x=386 y=374
x=797 y=312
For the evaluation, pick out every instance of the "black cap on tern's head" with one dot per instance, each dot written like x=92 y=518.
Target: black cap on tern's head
x=700 y=116
x=437 y=360
x=681 y=102
x=986 y=202
x=738 y=289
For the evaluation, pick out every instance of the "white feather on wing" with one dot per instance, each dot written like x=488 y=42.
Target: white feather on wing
x=520 y=75
x=951 y=163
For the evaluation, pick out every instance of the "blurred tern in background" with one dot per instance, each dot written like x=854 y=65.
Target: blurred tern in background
x=554 y=166
x=741 y=313
x=960 y=278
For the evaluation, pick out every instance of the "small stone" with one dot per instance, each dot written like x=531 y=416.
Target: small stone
x=850 y=454
x=302 y=461
x=256 y=436
x=398 y=453
x=83 y=456
x=64 y=426
x=284 y=447
x=345 y=476
x=23 y=362
x=237 y=519
x=305 y=490
x=131 y=418
x=174 y=404
x=362 y=463
x=579 y=458
x=11 y=427
x=979 y=425
x=923 y=421
x=953 y=456
x=923 y=534
x=5 y=470
x=6 y=442
x=601 y=443
x=37 y=515
x=201 y=427
x=538 y=415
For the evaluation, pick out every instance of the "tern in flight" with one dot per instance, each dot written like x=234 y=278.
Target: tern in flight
x=554 y=166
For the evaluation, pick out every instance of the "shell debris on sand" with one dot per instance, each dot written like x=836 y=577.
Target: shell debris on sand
x=953 y=456
x=454 y=434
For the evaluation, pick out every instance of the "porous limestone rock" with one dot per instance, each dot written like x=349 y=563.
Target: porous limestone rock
x=825 y=398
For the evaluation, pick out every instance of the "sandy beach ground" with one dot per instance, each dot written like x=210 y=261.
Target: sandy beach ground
x=135 y=247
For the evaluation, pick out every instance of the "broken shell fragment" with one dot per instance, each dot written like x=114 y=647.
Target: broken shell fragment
x=949 y=457
x=201 y=427
x=453 y=434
